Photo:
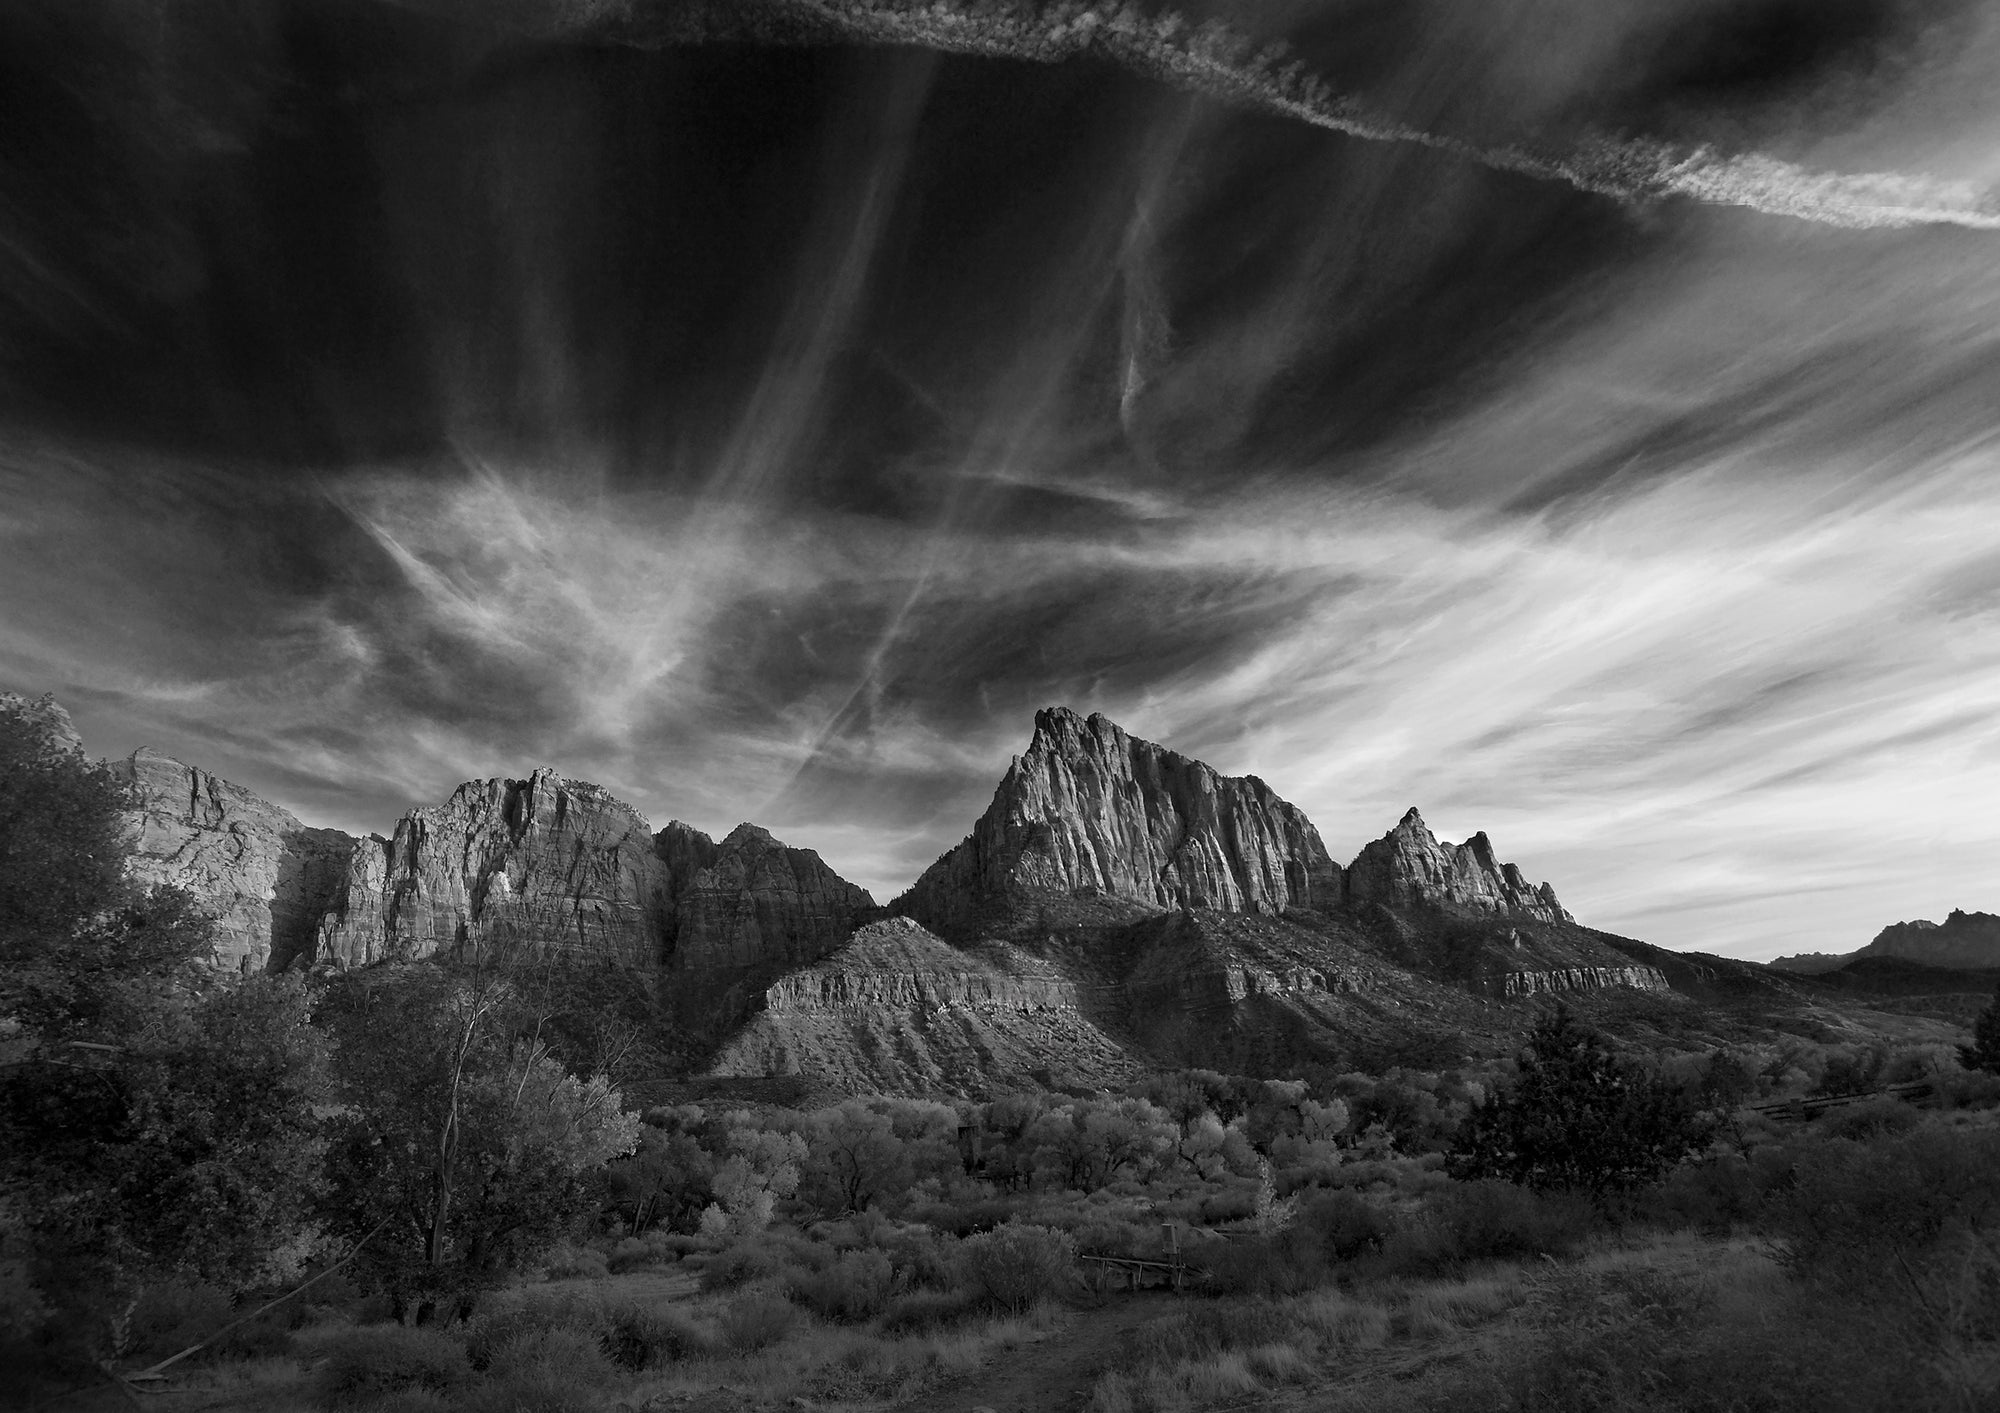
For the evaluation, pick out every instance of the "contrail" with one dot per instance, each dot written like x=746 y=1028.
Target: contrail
x=1218 y=62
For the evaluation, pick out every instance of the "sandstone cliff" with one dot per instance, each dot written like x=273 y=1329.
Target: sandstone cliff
x=267 y=877
x=1409 y=868
x=755 y=902
x=1090 y=810
x=507 y=871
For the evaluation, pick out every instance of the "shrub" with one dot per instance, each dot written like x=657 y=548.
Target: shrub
x=753 y=1322
x=922 y=1257
x=489 y=1333
x=638 y=1252
x=1287 y=1262
x=638 y=1338
x=1495 y=1220
x=1860 y=1212
x=854 y=1288
x=542 y=1389
x=575 y=1354
x=753 y=1258
x=1710 y=1196
x=1346 y=1224
x=1873 y=1118
x=571 y=1262
x=1014 y=1266
x=365 y=1364
x=920 y=1310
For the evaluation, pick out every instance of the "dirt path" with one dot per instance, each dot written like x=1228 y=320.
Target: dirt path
x=1054 y=1374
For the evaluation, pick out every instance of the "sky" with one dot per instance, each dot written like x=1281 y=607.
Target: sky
x=1575 y=418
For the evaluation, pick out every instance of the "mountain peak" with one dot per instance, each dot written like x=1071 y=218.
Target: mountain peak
x=1093 y=811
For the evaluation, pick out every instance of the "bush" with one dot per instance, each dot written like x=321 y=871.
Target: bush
x=754 y=1258
x=489 y=1333
x=923 y=1310
x=575 y=1354
x=854 y=1288
x=1495 y=1221
x=570 y=1262
x=539 y=1390
x=638 y=1338
x=1287 y=1262
x=635 y=1253
x=1859 y=1212
x=366 y=1364
x=1346 y=1224
x=1871 y=1119
x=753 y=1322
x=1014 y=1266
x=922 y=1257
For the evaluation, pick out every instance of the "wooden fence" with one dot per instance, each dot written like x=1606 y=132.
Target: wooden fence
x=1801 y=1108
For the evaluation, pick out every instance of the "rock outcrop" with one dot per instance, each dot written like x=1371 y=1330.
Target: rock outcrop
x=1557 y=980
x=1089 y=810
x=267 y=877
x=754 y=902
x=512 y=870
x=507 y=871
x=896 y=1010
x=1409 y=868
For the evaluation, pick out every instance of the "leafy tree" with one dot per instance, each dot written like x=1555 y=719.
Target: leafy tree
x=1984 y=1051
x=1576 y=1118
x=154 y=1124
x=667 y=1181
x=467 y=1142
x=854 y=1158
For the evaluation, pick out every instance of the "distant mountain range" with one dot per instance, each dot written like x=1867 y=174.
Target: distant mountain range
x=1963 y=941
x=1117 y=906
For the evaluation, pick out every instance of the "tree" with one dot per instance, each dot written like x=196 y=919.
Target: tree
x=1576 y=1118
x=153 y=1121
x=467 y=1136
x=1984 y=1051
x=853 y=1158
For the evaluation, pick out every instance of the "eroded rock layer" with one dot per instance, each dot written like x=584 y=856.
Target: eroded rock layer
x=1091 y=810
x=898 y=1011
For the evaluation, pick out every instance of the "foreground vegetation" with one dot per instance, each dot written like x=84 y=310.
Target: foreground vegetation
x=480 y=1221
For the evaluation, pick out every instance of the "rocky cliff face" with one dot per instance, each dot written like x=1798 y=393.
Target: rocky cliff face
x=507 y=871
x=1091 y=810
x=512 y=870
x=1557 y=980
x=1409 y=868
x=755 y=903
x=267 y=877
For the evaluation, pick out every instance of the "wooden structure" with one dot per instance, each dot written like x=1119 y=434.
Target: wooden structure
x=1800 y=1108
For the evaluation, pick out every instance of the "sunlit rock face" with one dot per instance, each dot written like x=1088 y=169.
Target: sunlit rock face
x=265 y=876
x=1091 y=810
x=756 y=903
x=514 y=870
x=1557 y=980
x=504 y=871
x=1409 y=868
x=896 y=1010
